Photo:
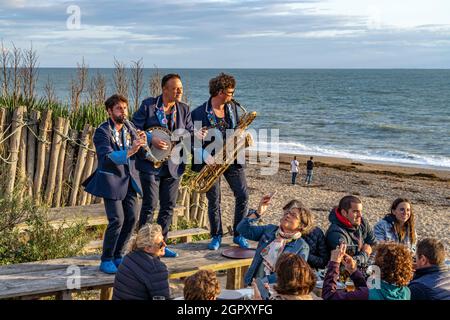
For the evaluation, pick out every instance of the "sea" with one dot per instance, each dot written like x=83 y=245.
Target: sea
x=393 y=116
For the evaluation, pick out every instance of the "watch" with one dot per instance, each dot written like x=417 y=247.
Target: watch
x=255 y=212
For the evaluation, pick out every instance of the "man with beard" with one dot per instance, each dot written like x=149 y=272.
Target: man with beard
x=349 y=227
x=116 y=179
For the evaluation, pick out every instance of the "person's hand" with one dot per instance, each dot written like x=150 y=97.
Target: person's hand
x=338 y=254
x=159 y=143
x=349 y=264
x=264 y=204
x=256 y=293
x=135 y=146
x=142 y=136
x=210 y=160
x=202 y=133
x=367 y=249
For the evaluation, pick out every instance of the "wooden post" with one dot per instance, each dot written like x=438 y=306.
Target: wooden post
x=22 y=164
x=3 y=115
x=106 y=293
x=54 y=158
x=196 y=204
x=48 y=147
x=91 y=198
x=187 y=205
x=14 y=148
x=69 y=165
x=31 y=148
x=235 y=278
x=81 y=159
x=39 y=174
x=87 y=172
x=60 y=167
x=64 y=295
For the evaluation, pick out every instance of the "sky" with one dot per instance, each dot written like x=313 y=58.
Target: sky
x=232 y=33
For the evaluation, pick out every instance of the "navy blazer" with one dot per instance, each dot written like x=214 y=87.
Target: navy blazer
x=201 y=114
x=111 y=180
x=145 y=117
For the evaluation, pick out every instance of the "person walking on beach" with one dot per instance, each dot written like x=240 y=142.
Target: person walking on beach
x=116 y=179
x=294 y=169
x=309 y=170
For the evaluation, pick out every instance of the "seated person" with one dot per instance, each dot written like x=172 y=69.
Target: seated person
x=396 y=270
x=318 y=253
x=348 y=226
x=432 y=277
x=203 y=285
x=296 y=280
x=398 y=226
x=272 y=239
x=142 y=275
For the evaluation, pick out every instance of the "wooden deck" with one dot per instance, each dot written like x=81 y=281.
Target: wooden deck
x=56 y=277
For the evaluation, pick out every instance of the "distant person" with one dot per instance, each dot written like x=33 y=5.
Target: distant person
x=398 y=226
x=309 y=170
x=202 y=285
x=348 y=226
x=294 y=169
x=432 y=277
x=296 y=280
x=273 y=239
x=396 y=271
x=142 y=275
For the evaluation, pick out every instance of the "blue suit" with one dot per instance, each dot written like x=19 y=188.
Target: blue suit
x=160 y=183
x=235 y=174
x=116 y=180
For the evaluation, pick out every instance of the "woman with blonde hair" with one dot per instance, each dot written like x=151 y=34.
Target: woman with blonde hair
x=142 y=275
x=398 y=226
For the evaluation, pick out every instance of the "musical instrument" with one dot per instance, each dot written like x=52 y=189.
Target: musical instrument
x=205 y=179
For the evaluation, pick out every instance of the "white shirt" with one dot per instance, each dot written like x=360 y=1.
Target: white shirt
x=294 y=166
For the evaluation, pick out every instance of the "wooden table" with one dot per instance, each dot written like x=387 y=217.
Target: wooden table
x=59 y=277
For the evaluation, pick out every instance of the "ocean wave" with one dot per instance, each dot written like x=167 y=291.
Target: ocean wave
x=382 y=156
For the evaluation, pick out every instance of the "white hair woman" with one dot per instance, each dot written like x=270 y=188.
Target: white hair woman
x=142 y=275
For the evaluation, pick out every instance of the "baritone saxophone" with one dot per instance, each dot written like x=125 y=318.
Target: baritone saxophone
x=240 y=139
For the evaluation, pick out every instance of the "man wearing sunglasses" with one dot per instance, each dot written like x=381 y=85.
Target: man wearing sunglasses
x=220 y=113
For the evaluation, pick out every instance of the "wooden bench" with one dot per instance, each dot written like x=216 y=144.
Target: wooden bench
x=94 y=214
x=55 y=277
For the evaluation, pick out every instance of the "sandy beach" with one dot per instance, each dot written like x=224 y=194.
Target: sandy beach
x=376 y=184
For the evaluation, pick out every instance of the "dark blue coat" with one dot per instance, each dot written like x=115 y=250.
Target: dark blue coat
x=200 y=114
x=431 y=283
x=318 y=253
x=145 y=117
x=113 y=174
x=141 y=276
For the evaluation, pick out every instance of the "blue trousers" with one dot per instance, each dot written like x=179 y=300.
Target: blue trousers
x=309 y=175
x=162 y=187
x=294 y=176
x=122 y=216
x=238 y=184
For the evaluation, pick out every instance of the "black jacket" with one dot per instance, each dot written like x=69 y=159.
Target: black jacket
x=359 y=236
x=318 y=253
x=141 y=276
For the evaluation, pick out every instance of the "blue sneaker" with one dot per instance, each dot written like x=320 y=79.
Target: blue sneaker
x=108 y=267
x=169 y=253
x=215 y=243
x=241 y=241
x=118 y=262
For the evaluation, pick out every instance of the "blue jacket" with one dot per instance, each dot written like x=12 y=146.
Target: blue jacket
x=384 y=230
x=114 y=171
x=265 y=235
x=432 y=283
x=145 y=117
x=200 y=114
x=141 y=276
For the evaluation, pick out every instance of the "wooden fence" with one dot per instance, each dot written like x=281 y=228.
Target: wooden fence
x=52 y=159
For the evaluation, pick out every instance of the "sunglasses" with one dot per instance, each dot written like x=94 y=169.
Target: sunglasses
x=161 y=244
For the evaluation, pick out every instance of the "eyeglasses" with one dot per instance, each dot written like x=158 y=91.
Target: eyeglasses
x=230 y=94
x=161 y=244
x=292 y=213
